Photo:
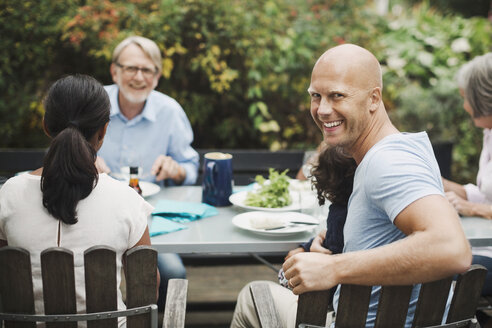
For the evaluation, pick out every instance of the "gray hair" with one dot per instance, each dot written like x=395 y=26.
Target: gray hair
x=148 y=46
x=478 y=90
x=463 y=75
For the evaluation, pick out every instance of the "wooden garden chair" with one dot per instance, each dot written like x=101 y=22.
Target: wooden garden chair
x=393 y=304
x=57 y=266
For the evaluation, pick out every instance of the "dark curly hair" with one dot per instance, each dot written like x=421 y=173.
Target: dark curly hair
x=334 y=176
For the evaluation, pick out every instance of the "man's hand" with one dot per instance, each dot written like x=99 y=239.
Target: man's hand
x=165 y=167
x=309 y=271
x=317 y=243
x=101 y=165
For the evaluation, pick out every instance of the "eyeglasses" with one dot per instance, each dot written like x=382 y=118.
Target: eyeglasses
x=132 y=70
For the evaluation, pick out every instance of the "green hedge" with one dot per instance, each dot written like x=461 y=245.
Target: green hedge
x=240 y=69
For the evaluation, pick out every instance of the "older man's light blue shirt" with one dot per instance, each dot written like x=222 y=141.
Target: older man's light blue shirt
x=161 y=129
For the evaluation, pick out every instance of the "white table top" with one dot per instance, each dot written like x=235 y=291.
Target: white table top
x=217 y=234
x=478 y=230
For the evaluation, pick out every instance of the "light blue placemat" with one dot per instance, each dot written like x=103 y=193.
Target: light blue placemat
x=183 y=211
x=161 y=226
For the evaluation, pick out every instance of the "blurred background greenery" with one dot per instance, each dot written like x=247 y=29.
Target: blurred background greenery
x=240 y=69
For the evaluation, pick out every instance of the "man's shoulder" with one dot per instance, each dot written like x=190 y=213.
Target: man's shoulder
x=163 y=101
x=402 y=143
x=166 y=108
x=111 y=88
x=399 y=152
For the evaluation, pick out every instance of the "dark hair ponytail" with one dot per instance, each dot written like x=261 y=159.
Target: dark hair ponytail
x=77 y=107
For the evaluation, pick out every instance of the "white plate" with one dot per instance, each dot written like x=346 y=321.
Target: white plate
x=243 y=221
x=149 y=188
x=307 y=199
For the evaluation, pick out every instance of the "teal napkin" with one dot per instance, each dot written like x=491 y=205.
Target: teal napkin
x=183 y=211
x=161 y=226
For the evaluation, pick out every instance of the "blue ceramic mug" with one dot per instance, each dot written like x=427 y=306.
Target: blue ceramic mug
x=217 y=179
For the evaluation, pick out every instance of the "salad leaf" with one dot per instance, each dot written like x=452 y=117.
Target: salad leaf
x=273 y=193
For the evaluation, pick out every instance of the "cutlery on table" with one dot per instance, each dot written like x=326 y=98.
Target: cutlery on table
x=291 y=224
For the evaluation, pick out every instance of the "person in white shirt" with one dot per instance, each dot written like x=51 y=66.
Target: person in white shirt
x=67 y=203
x=475 y=84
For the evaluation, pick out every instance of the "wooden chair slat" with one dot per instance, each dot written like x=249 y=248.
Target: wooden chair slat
x=100 y=284
x=175 y=310
x=264 y=305
x=312 y=307
x=393 y=306
x=432 y=303
x=16 y=284
x=58 y=284
x=57 y=269
x=353 y=305
x=141 y=277
x=467 y=293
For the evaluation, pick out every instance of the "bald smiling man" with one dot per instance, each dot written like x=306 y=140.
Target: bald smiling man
x=400 y=229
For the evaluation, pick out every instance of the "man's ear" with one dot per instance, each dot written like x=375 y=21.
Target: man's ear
x=375 y=98
x=156 y=81
x=45 y=129
x=112 y=70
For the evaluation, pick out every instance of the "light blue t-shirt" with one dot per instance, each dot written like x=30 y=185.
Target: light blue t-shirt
x=161 y=129
x=398 y=170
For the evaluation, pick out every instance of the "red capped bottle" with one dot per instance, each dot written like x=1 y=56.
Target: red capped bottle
x=134 y=179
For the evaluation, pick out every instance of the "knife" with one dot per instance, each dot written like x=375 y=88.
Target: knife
x=291 y=224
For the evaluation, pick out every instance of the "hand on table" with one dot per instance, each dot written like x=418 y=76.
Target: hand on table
x=101 y=165
x=467 y=208
x=309 y=271
x=165 y=167
x=462 y=206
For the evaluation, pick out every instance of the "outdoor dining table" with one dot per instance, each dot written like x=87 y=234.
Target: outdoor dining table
x=218 y=235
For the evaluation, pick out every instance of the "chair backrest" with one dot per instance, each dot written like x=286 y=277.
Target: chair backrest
x=393 y=304
x=248 y=163
x=13 y=160
x=57 y=268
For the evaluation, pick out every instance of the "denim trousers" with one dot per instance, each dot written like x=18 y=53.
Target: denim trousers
x=170 y=266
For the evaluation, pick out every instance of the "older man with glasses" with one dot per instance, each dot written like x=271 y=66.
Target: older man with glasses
x=147 y=129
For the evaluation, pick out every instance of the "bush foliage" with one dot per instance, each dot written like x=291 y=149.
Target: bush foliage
x=240 y=69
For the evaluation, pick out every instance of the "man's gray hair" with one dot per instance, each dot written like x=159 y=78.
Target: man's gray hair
x=478 y=90
x=148 y=46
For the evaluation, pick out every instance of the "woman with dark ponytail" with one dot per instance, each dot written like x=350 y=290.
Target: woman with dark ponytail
x=67 y=203
x=77 y=114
